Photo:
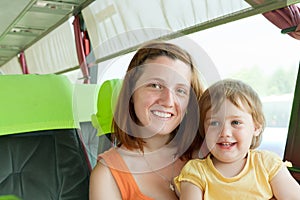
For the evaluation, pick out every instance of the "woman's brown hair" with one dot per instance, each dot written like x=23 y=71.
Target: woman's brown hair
x=186 y=136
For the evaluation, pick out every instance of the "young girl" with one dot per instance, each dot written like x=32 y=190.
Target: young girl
x=232 y=122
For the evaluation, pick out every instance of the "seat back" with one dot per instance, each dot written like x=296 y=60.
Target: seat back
x=42 y=155
x=102 y=120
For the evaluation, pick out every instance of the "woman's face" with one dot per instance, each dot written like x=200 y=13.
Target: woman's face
x=162 y=94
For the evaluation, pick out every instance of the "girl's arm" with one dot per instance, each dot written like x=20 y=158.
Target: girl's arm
x=284 y=185
x=189 y=191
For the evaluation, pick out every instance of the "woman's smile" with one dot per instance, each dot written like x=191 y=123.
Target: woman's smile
x=163 y=94
x=161 y=114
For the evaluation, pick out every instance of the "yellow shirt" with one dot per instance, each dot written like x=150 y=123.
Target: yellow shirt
x=253 y=182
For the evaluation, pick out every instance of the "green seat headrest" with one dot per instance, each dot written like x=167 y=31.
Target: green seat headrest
x=35 y=102
x=107 y=98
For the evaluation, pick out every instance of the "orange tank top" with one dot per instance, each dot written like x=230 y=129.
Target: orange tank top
x=124 y=179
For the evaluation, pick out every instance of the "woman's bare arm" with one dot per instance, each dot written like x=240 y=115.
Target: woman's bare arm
x=102 y=184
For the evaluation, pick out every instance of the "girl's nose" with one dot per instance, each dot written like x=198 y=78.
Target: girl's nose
x=225 y=131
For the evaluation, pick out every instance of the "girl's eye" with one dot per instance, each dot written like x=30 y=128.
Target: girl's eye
x=214 y=123
x=235 y=123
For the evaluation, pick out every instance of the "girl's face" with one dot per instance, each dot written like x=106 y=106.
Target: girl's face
x=162 y=94
x=229 y=132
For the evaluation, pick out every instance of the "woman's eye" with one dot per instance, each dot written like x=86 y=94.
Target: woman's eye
x=155 y=85
x=182 y=91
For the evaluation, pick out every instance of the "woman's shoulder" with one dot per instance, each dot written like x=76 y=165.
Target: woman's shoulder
x=102 y=171
x=107 y=154
x=102 y=168
x=102 y=184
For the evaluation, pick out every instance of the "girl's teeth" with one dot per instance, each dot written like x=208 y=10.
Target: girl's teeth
x=226 y=144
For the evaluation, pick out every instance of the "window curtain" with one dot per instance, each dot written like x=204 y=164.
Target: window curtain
x=287 y=19
x=22 y=60
x=54 y=53
x=80 y=40
x=12 y=67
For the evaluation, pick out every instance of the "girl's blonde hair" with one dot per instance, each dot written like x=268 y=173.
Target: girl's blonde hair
x=238 y=93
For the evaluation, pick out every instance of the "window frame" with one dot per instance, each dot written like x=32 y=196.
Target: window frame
x=292 y=147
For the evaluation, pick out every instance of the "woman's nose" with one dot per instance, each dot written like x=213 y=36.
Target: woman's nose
x=167 y=98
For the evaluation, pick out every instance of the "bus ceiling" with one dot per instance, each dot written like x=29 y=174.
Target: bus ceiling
x=32 y=27
x=25 y=22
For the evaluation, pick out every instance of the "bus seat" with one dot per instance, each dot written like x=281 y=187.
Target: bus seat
x=102 y=120
x=42 y=155
x=9 y=197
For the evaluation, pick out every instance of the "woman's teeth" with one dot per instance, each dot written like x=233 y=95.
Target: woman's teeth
x=162 y=114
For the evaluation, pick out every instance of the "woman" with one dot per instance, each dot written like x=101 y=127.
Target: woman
x=155 y=126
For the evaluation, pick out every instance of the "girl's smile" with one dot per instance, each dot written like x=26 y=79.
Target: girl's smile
x=229 y=132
